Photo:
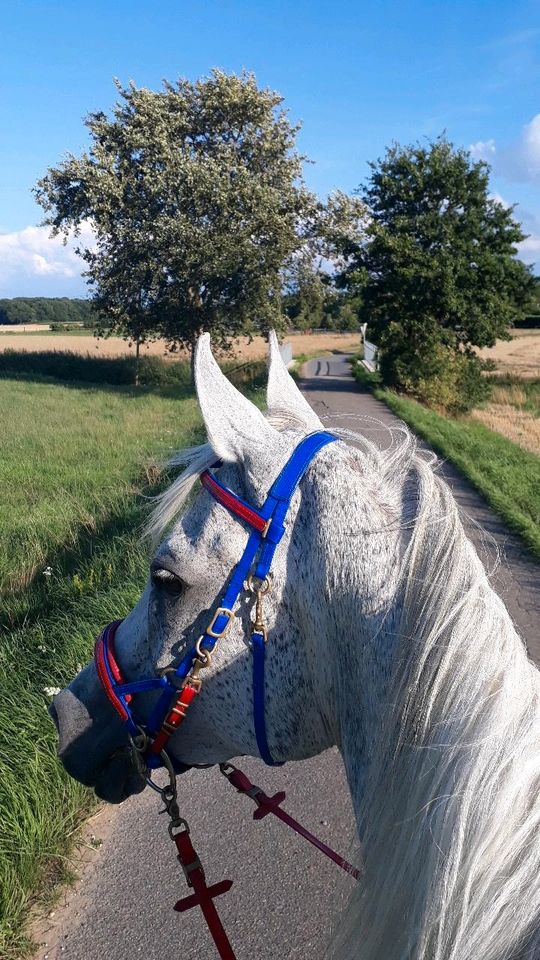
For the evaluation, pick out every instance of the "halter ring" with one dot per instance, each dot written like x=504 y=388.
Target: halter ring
x=264 y=585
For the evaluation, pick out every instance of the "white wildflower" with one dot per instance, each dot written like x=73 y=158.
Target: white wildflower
x=47 y=572
x=51 y=691
x=42 y=648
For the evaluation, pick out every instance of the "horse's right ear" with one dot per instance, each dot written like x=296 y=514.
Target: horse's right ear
x=283 y=397
x=236 y=429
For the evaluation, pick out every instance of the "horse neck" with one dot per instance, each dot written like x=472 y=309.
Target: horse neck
x=446 y=797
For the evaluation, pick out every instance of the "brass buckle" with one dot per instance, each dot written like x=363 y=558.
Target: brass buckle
x=221 y=611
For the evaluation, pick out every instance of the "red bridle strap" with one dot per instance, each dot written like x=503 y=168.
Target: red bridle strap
x=175 y=717
x=233 y=503
x=203 y=896
x=107 y=666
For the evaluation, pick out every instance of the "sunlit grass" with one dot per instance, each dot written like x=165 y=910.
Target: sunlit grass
x=76 y=461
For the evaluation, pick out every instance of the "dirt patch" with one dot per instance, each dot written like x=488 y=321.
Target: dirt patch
x=520 y=356
x=116 y=347
x=50 y=928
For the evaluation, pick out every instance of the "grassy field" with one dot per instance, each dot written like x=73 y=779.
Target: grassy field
x=505 y=473
x=76 y=460
x=513 y=411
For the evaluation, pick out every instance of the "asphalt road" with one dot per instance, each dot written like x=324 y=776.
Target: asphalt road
x=285 y=896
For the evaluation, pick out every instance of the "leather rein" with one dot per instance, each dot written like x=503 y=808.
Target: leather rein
x=178 y=686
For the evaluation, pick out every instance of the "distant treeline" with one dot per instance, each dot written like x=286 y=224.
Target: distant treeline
x=531 y=319
x=46 y=310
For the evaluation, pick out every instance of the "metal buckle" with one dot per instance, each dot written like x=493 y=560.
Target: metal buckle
x=221 y=611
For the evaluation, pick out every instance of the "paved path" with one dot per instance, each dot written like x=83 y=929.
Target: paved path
x=329 y=387
x=285 y=895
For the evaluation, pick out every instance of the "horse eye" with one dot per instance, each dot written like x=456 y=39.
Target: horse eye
x=166 y=580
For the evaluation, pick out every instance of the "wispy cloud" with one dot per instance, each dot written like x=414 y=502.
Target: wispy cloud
x=483 y=150
x=515 y=39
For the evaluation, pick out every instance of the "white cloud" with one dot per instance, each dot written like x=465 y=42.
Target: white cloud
x=520 y=161
x=523 y=159
x=483 y=150
x=30 y=254
x=499 y=199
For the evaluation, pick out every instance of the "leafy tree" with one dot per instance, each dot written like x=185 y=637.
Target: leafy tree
x=197 y=203
x=17 y=310
x=437 y=270
x=311 y=298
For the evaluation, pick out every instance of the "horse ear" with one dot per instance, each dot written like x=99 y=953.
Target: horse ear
x=283 y=397
x=234 y=425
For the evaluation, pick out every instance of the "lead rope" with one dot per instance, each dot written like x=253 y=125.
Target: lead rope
x=203 y=896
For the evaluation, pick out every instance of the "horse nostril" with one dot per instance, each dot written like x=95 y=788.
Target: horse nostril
x=54 y=715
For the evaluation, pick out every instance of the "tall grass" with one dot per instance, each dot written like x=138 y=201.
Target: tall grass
x=76 y=460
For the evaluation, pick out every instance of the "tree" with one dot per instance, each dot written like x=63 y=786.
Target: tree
x=17 y=310
x=436 y=269
x=197 y=203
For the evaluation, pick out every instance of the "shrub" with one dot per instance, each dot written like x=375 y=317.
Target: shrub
x=448 y=380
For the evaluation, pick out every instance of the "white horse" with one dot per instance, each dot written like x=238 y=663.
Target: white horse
x=385 y=639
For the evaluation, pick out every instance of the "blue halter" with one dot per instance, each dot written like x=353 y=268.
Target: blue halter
x=267 y=530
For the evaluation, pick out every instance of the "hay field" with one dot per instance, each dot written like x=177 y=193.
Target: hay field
x=301 y=343
x=519 y=357
x=23 y=327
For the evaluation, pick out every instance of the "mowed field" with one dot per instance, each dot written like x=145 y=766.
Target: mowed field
x=514 y=408
x=518 y=357
x=244 y=349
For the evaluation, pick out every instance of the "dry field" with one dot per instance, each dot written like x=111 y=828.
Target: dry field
x=115 y=347
x=520 y=356
x=23 y=327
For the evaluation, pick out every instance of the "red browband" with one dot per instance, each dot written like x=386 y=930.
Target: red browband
x=233 y=503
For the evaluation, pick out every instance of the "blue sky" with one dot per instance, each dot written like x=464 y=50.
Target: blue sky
x=358 y=75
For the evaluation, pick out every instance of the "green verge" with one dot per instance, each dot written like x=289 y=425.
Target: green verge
x=78 y=460
x=507 y=476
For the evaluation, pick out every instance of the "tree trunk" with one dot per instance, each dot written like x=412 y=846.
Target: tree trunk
x=137 y=361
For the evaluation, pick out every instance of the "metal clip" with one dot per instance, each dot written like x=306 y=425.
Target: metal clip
x=260 y=588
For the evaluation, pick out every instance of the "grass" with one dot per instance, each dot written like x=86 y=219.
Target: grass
x=68 y=454
x=517 y=392
x=74 y=332
x=76 y=459
x=504 y=473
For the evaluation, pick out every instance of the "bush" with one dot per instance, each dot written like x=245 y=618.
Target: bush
x=449 y=380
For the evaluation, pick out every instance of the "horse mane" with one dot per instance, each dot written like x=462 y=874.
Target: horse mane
x=450 y=815
x=450 y=819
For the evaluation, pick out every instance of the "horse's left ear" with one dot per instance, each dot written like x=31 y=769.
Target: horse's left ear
x=236 y=429
x=283 y=397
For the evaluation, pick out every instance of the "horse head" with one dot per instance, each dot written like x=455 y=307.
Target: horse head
x=304 y=612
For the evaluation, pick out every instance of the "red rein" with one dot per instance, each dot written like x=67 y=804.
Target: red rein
x=203 y=896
